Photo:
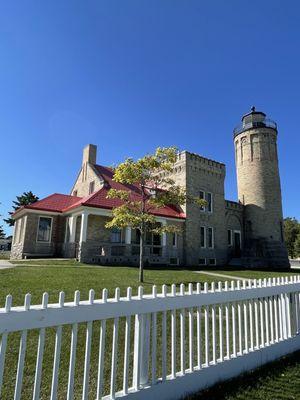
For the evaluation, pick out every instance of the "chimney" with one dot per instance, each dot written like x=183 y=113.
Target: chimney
x=89 y=154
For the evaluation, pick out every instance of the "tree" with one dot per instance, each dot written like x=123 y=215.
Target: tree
x=24 y=200
x=2 y=233
x=291 y=231
x=151 y=188
x=297 y=246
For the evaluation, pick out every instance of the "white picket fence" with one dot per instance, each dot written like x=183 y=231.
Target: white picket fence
x=183 y=340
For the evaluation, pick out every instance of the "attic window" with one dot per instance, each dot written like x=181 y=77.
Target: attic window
x=75 y=193
x=91 y=187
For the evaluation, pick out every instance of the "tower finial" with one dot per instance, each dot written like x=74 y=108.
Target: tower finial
x=253 y=108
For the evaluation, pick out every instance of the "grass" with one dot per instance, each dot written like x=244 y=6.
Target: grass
x=52 y=276
x=279 y=380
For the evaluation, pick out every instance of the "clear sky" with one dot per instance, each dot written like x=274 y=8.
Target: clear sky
x=131 y=75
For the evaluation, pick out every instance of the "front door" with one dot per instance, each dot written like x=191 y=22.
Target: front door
x=237 y=244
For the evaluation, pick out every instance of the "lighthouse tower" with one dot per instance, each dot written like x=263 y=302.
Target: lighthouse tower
x=258 y=180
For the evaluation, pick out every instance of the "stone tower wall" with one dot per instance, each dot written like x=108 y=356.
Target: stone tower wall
x=259 y=183
x=196 y=174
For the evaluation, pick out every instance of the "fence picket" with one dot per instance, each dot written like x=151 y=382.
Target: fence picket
x=199 y=335
x=227 y=325
x=114 y=350
x=173 y=336
x=245 y=307
x=154 y=338
x=182 y=333
x=70 y=390
x=8 y=303
x=233 y=306
x=22 y=350
x=127 y=346
x=206 y=328
x=191 y=332
x=220 y=326
x=88 y=344
x=164 y=338
x=101 y=351
x=40 y=354
x=57 y=350
x=213 y=326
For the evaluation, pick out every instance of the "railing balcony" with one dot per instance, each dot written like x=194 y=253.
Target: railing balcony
x=266 y=123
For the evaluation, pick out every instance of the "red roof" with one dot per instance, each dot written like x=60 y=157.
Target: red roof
x=55 y=202
x=62 y=203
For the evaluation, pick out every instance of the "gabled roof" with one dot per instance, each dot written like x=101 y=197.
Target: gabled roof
x=63 y=203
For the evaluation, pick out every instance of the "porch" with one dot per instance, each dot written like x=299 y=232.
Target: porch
x=88 y=240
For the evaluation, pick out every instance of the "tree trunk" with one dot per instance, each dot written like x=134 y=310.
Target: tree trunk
x=141 y=274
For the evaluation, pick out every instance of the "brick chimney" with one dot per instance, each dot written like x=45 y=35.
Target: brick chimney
x=89 y=154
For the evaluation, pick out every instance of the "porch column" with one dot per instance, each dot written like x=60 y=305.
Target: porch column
x=128 y=235
x=72 y=226
x=83 y=228
x=164 y=240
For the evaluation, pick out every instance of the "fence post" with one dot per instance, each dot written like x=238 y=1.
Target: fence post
x=141 y=347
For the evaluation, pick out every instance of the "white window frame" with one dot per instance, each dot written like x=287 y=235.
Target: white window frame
x=204 y=229
x=203 y=196
x=212 y=237
x=231 y=237
x=37 y=231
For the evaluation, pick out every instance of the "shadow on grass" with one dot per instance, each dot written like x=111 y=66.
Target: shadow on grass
x=246 y=386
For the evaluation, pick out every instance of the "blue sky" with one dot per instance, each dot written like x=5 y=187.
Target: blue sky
x=133 y=75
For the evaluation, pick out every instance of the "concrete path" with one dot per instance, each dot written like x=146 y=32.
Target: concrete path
x=4 y=264
x=238 y=278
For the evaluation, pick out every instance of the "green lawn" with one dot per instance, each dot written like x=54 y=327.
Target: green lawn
x=279 y=380
x=52 y=276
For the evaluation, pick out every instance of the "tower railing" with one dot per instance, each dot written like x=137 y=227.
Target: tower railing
x=266 y=123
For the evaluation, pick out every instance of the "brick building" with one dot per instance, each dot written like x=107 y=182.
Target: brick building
x=248 y=232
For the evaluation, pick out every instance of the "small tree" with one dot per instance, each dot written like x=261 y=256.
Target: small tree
x=151 y=190
x=24 y=200
x=297 y=246
x=291 y=231
x=2 y=233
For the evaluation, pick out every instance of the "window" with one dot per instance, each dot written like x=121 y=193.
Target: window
x=210 y=238
x=91 y=187
x=44 y=229
x=202 y=261
x=202 y=237
x=229 y=237
x=75 y=193
x=116 y=235
x=209 y=206
x=174 y=239
x=208 y=197
x=202 y=197
x=212 y=261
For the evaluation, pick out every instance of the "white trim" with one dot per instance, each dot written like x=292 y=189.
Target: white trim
x=37 y=231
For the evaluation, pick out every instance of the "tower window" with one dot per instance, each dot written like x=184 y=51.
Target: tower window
x=202 y=237
x=210 y=238
x=209 y=201
x=202 y=197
